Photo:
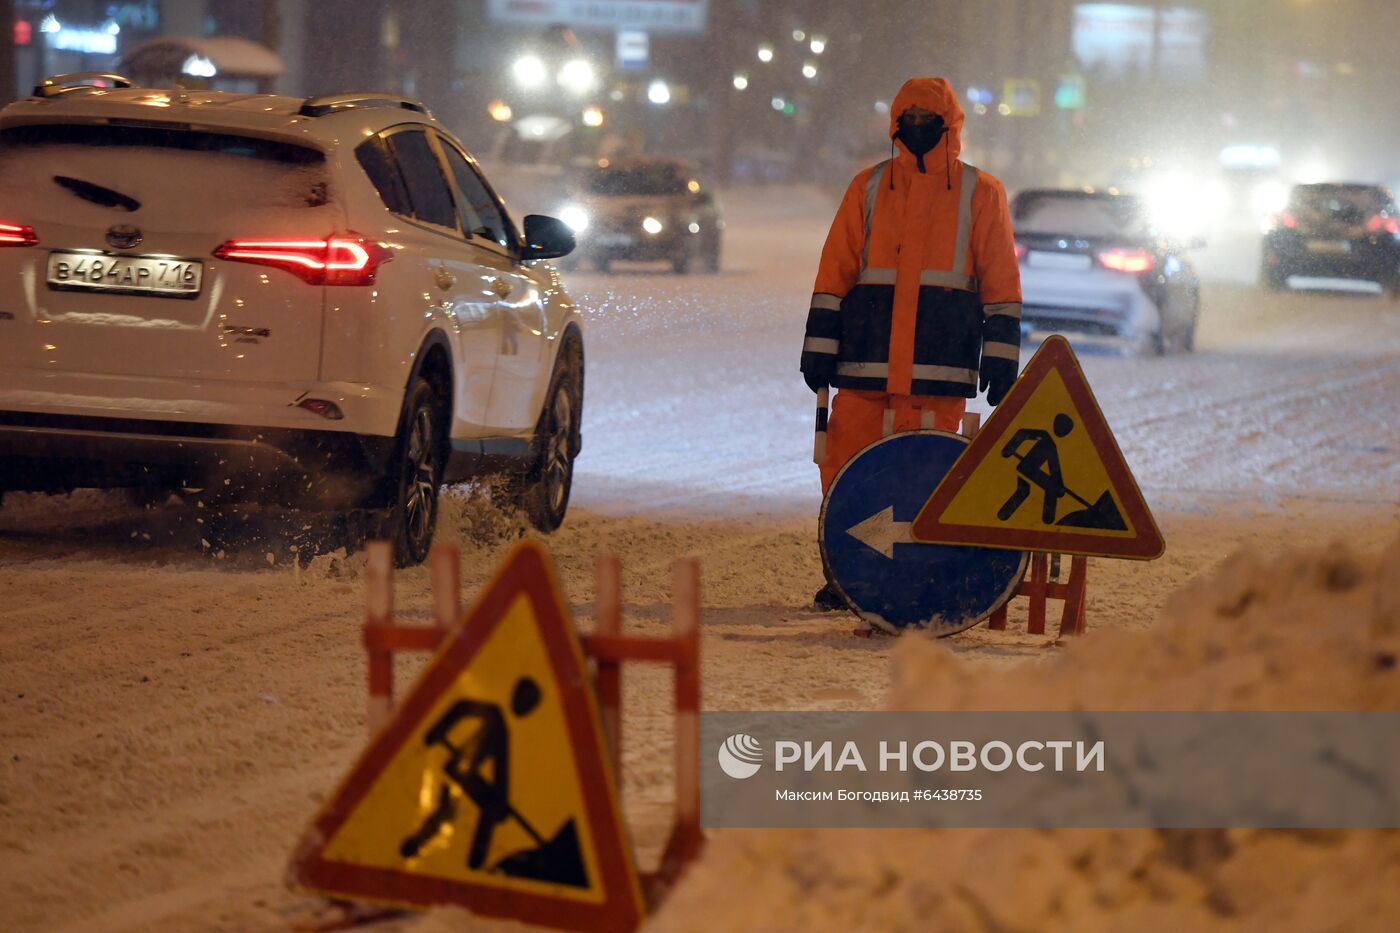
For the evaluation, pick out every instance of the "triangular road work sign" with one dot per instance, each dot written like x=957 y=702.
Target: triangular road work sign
x=1044 y=474
x=489 y=788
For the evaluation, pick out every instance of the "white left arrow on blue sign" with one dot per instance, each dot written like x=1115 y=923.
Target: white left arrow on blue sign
x=880 y=532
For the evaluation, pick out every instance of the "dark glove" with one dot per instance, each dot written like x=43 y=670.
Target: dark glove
x=997 y=376
x=816 y=382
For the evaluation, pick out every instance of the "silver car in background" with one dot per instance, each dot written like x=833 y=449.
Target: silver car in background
x=1091 y=264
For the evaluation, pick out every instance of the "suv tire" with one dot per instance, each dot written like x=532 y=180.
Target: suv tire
x=417 y=476
x=545 y=492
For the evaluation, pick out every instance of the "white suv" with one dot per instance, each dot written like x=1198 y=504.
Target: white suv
x=315 y=303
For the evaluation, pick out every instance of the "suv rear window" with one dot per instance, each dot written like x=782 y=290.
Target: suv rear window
x=157 y=137
x=179 y=179
x=1347 y=203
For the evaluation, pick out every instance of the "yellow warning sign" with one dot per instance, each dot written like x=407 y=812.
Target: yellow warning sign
x=1044 y=474
x=489 y=788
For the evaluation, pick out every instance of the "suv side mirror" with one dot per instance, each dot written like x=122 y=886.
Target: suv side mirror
x=547 y=237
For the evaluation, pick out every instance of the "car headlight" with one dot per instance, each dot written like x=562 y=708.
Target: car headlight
x=578 y=77
x=576 y=217
x=530 y=71
x=653 y=226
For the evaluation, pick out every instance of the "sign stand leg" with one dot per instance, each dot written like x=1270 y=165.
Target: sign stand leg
x=1072 y=619
x=1036 y=590
x=380 y=572
x=608 y=671
x=686 y=838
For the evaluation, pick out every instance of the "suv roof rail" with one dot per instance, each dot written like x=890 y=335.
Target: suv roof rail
x=55 y=85
x=320 y=106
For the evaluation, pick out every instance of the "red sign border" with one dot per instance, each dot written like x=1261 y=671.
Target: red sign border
x=526 y=571
x=1054 y=354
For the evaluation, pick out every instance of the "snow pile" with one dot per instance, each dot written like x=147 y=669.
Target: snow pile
x=1309 y=631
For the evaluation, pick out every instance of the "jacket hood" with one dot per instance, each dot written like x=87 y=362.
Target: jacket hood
x=935 y=95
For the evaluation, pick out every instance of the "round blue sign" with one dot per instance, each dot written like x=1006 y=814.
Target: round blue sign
x=891 y=581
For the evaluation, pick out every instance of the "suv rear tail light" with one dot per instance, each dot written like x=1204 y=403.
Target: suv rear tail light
x=1381 y=223
x=335 y=260
x=1286 y=220
x=1125 y=260
x=16 y=235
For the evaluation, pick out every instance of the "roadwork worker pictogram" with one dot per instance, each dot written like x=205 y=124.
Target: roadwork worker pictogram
x=1040 y=466
x=478 y=768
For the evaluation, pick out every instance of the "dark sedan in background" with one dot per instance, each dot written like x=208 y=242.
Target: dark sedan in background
x=1091 y=264
x=1334 y=231
x=645 y=210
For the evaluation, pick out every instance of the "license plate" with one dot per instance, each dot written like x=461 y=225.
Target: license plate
x=1329 y=246
x=1043 y=260
x=160 y=276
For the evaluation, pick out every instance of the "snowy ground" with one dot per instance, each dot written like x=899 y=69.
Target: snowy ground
x=169 y=719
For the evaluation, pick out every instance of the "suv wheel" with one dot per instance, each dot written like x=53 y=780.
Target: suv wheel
x=413 y=509
x=545 y=496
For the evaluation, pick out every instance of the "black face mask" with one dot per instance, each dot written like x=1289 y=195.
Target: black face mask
x=921 y=138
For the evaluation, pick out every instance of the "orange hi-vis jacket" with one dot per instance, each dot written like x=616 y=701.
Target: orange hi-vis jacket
x=919 y=279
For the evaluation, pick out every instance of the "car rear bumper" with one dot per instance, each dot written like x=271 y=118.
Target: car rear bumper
x=56 y=453
x=1097 y=302
x=1378 y=261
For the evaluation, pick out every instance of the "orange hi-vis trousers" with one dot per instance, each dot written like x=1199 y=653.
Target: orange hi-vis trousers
x=858 y=419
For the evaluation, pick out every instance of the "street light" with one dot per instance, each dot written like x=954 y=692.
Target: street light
x=809 y=71
x=765 y=53
x=818 y=45
x=659 y=93
x=741 y=82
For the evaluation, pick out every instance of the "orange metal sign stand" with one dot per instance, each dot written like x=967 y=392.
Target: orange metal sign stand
x=1040 y=588
x=606 y=647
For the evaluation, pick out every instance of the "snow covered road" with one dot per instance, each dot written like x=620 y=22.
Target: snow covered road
x=169 y=719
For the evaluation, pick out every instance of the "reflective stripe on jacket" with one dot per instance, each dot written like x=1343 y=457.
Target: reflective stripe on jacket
x=918 y=279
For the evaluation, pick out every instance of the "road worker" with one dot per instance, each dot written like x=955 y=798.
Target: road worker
x=917 y=301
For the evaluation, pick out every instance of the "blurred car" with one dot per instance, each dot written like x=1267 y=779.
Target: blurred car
x=1334 y=231
x=1092 y=264
x=313 y=303
x=646 y=210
